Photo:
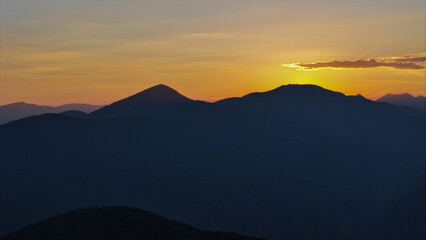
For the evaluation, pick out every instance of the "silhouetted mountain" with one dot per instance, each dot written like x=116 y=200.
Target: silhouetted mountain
x=157 y=96
x=316 y=108
x=114 y=223
x=359 y=96
x=405 y=100
x=20 y=110
x=74 y=113
x=297 y=162
x=285 y=95
x=87 y=108
x=294 y=96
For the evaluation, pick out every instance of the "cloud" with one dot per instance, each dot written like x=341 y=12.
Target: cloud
x=411 y=62
x=411 y=58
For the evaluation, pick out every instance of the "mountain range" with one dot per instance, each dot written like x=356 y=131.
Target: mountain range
x=158 y=96
x=111 y=223
x=296 y=162
x=405 y=99
x=20 y=110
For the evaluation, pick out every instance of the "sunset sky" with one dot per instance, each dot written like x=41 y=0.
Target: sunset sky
x=98 y=51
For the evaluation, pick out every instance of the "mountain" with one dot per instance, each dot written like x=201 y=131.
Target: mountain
x=291 y=95
x=156 y=96
x=113 y=223
x=74 y=113
x=359 y=96
x=164 y=102
x=405 y=99
x=313 y=108
x=87 y=108
x=296 y=162
x=20 y=110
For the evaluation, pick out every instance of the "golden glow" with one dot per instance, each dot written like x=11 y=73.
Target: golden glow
x=298 y=67
x=59 y=52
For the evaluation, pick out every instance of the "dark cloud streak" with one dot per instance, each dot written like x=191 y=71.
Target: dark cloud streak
x=361 y=64
x=411 y=59
x=405 y=62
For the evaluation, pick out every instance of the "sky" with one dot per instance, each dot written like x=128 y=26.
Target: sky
x=54 y=52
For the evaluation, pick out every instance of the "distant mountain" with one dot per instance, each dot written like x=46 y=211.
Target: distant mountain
x=159 y=100
x=74 y=113
x=359 y=96
x=20 y=110
x=405 y=99
x=298 y=162
x=112 y=223
x=87 y=108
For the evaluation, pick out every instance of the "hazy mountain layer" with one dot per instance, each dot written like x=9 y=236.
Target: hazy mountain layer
x=20 y=110
x=406 y=99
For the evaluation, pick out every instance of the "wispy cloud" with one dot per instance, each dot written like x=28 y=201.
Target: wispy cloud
x=410 y=62
x=411 y=58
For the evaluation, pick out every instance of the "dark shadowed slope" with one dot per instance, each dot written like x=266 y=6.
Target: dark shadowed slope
x=20 y=110
x=75 y=113
x=87 y=108
x=314 y=108
x=405 y=100
x=113 y=223
x=298 y=162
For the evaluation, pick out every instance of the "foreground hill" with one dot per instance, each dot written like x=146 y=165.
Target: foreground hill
x=20 y=110
x=112 y=223
x=297 y=162
x=405 y=99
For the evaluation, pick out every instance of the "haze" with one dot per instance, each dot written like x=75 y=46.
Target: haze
x=55 y=51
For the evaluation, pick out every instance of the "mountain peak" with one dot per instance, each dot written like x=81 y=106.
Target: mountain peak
x=404 y=99
x=153 y=96
x=407 y=95
x=303 y=90
x=286 y=94
x=160 y=89
x=403 y=96
x=299 y=86
x=18 y=104
x=156 y=95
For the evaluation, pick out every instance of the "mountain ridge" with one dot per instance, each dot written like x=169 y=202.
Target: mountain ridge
x=271 y=165
x=19 y=110
x=162 y=96
x=158 y=95
x=404 y=99
x=116 y=222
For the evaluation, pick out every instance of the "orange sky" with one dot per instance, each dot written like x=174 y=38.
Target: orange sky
x=56 y=52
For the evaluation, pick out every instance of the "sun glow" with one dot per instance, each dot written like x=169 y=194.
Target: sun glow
x=85 y=54
x=298 y=67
